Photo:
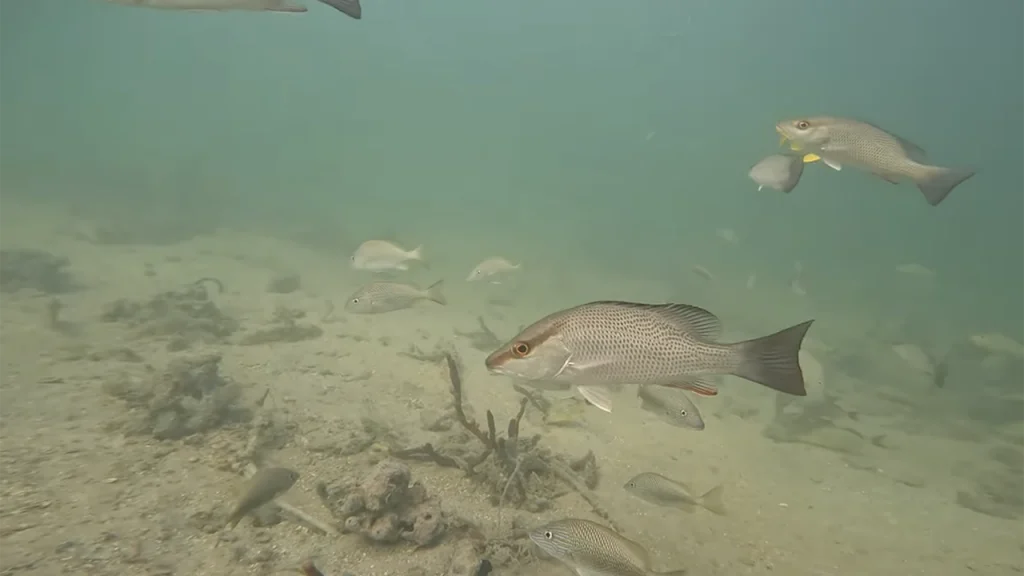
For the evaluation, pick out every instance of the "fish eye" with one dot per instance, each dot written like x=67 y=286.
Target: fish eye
x=549 y=535
x=802 y=124
x=355 y=300
x=520 y=349
x=683 y=413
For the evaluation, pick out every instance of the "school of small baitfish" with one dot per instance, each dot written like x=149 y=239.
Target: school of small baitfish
x=666 y=350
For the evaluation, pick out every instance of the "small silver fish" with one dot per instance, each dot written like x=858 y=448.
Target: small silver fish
x=264 y=486
x=842 y=141
x=380 y=297
x=378 y=255
x=607 y=343
x=217 y=5
x=490 y=267
x=663 y=491
x=779 y=172
x=591 y=549
x=671 y=405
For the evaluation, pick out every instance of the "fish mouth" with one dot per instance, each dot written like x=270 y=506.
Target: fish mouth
x=495 y=363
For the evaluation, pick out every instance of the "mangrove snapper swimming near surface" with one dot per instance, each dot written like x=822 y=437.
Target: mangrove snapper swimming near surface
x=842 y=141
x=350 y=8
x=606 y=343
x=217 y=5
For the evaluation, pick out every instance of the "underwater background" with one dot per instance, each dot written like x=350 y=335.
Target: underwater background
x=604 y=145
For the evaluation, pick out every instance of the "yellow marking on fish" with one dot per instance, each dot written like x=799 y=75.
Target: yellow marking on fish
x=808 y=158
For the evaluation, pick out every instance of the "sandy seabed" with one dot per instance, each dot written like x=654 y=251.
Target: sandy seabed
x=81 y=492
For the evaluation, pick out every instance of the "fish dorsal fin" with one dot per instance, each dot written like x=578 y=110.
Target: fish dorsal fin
x=692 y=319
x=913 y=151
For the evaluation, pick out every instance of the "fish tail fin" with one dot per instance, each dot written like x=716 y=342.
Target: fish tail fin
x=416 y=253
x=434 y=293
x=350 y=8
x=938 y=182
x=712 y=500
x=772 y=360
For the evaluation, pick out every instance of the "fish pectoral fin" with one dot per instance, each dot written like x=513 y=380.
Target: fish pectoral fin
x=599 y=397
x=700 y=386
x=572 y=367
x=832 y=164
x=809 y=158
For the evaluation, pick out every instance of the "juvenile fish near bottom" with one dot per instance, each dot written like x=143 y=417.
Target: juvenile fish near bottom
x=381 y=297
x=663 y=491
x=594 y=550
x=264 y=486
x=600 y=344
x=671 y=405
x=491 y=267
x=381 y=255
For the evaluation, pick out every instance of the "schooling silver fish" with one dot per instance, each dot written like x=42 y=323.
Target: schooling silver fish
x=670 y=405
x=264 y=486
x=605 y=343
x=663 y=491
x=590 y=549
x=779 y=172
x=842 y=141
x=380 y=297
